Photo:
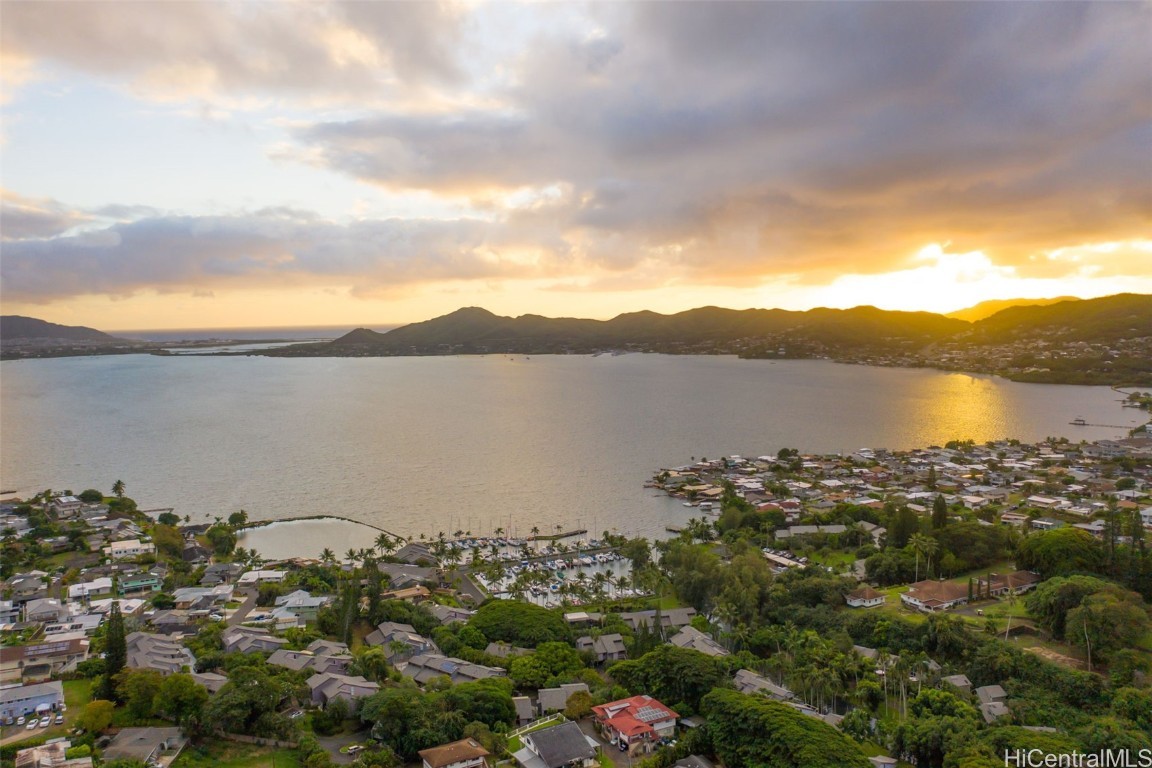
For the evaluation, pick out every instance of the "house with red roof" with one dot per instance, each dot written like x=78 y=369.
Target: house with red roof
x=636 y=724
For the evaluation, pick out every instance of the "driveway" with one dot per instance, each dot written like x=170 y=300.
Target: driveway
x=245 y=608
x=333 y=744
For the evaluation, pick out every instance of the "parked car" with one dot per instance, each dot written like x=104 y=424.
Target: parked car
x=59 y=719
x=32 y=725
x=20 y=720
x=46 y=721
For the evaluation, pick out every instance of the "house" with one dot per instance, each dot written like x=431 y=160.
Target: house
x=163 y=653
x=415 y=553
x=583 y=618
x=673 y=619
x=502 y=650
x=865 y=597
x=41 y=661
x=213 y=681
x=990 y=693
x=249 y=639
x=28 y=699
x=556 y=699
x=637 y=723
x=145 y=745
x=100 y=587
x=1016 y=583
x=690 y=637
x=605 y=648
x=1047 y=524
x=326 y=686
x=254 y=578
x=51 y=754
x=194 y=552
x=202 y=598
x=301 y=604
x=994 y=710
x=466 y=753
x=426 y=666
x=959 y=682
x=749 y=682
x=220 y=573
x=45 y=609
x=140 y=582
x=525 y=712
x=560 y=746
x=86 y=623
x=118 y=550
x=301 y=660
x=399 y=641
x=9 y=612
x=930 y=596
x=412 y=594
x=447 y=614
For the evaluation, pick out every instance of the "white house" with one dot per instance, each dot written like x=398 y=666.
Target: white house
x=129 y=548
x=865 y=597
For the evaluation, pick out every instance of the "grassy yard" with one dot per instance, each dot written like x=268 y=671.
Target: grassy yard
x=77 y=693
x=227 y=754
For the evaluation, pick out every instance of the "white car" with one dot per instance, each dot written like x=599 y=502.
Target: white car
x=59 y=719
x=45 y=721
x=31 y=725
x=20 y=720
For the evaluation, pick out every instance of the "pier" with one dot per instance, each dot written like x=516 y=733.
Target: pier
x=558 y=536
x=1108 y=426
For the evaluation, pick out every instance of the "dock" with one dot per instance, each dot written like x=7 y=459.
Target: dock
x=558 y=536
x=1107 y=426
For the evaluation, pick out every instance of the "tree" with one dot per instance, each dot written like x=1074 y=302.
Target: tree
x=672 y=674
x=579 y=705
x=222 y=539
x=168 y=518
x=115 y=652
x=750 y=730
x=238 y=519
x=138 y=688
x=923 y=546
x=939 y=512
x=91 y=496
x=901 y=527
x=97 y=716
x=118 y=489
x=180 y=698
x=1060 y=552
x=1105 y=622
x=519 y=623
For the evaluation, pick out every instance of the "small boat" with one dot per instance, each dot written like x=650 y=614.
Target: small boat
x=1078 y=422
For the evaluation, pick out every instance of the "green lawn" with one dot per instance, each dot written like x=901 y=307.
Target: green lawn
x=226 y=754
x=77 y=693
x=606 y=759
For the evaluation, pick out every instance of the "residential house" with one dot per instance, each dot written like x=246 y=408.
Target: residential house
x=606 y=648
x=690 y=637
x=673 y=619
x=865 y=597
x=44 y=609
x=960 y=682
x=254 y=578
x=101 y=587
x=145 y=745
x=466 y=753
x=525 y=712
x=502 y=650
x=221 y=573
x=28 y=699
x=1016 y=583
x=195 y=553
x=213 y=681
x=556 y=699
x=9 y=612
x=301 y=604
x=318 y=663
x=415 y=553
x=558 y=746
x=86 y=624
x=930 y=596
x=33 y=663
x=51 y=754
x=447 y=614
x=163 y=653
x=118 y=550
x=139 y=583
x=249 y=639
x=426 y=666
x=399 y=641
x=326 y=686
x=637 y=723
x=750 y=683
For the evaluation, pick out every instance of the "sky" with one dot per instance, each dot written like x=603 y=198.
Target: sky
x=239 y=164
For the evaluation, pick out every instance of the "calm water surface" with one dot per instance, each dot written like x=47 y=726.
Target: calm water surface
x=428 y=444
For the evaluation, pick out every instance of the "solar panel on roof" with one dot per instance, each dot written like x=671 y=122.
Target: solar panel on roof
x=649 y=714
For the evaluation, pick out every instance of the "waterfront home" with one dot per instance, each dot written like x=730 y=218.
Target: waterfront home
x=606 y=648
x=558 y=746
x=427 y=666
x=162 y=653
x=415 y=553
x=326 y=686
x=865 y=597
x=41 y=661
x=637 y=723
x=466 y=753
x=253 y=578
x=145 y=745
x=556 y=699
x=690 y=637
x=930 y=596
x=195 y=553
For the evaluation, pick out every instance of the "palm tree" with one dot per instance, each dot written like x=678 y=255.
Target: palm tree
x=350 y=555
x=384 y=543
x=118 y=489
x=921 y=545
x=327 y=556
x=535 y=530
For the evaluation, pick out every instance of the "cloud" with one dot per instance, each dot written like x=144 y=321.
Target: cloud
x=23 y=217
x=274 y=247
x=173 y=51
x=764 y=138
